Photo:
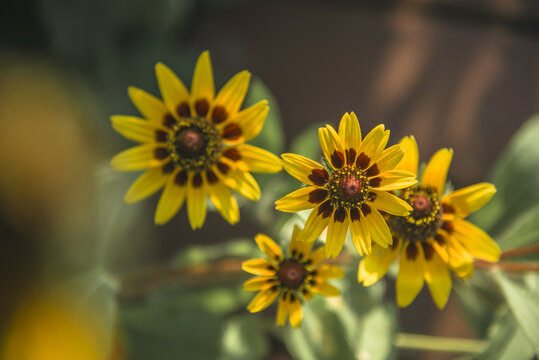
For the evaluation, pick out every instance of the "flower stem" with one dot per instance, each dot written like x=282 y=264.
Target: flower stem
x=522 y=251
x=509 y=266
x=438 y=343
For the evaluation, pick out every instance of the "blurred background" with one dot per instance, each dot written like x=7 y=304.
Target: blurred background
x=453 y=73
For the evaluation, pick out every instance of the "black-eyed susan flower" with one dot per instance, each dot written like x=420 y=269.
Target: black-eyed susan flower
x=292 y=277
x=192 y=144
x=434 y=238
x=351 y=190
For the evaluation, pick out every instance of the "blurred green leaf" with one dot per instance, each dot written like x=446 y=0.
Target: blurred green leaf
x=523 y=305
x=516 y=176
x=307 y=144
x=476 y=306
x=169 y=330
x=194 y=255
x=271 y=137
x=522 y=232
x=378 y=330
x=244 y=339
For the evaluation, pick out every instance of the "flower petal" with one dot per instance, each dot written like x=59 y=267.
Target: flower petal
x=410 y=278
x=332 y=146
x=394 y=180
x=373 y=267
x=242 y=182
x=146 y=185
x=174 y=93
x=337 y=229
x=295 y=313
x=269 y=247
x=460 y=260
x=360 y=232
x=438 y=278
x=257 y=159
x=282 y=309
x=138 y=158
x=305 y=170
x=378 y=228
x=469 y=199
x=148 y=105
x=224 y=202
x=170 y=202
x=301 y=199
x=389 y=158
x=410 y=161
x=390 y=203
x=196 y=202
x=476 y=241
x=260 y=283
x=263 y=299
x=202 y=87
x=230 y=97
x=373 y=144
x=136 y=129
x=326 y=271
x=325 y=289
x=250 y=122
x=435 y=173
x=314 y=226
x=299 y=250
x=261 y=267
x=350 y=132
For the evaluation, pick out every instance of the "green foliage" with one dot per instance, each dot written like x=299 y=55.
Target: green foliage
x=244 y=339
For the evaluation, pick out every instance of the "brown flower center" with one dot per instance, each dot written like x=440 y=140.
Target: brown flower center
x=291 y=274
x=348 y=187
x=190 y=142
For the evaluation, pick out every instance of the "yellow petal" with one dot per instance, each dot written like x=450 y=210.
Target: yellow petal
x=173 y=90
x=299 y=250
x=373 y=267
x=438 y=279
x=350 y=132
x=460 y=260
x=317 y=256
x=436 y=171
x=332 y=146
x=469 y=199
x=329 y=272
x=196 y=203
x=261 y=267
x=242 y=182
x=203 y=88
x=263 y=299
x=148 y=105
x=378 y=228
x=258 y=160
x=138 y=158
x=395 y=180
x=314 y=226
x=147 y=184
x=374 y=143
x=294 y=311
x=171 y=201
x=324 y=289
x=136 y=129
x=250 y=120
x=360 y=232
x=390 y=203
x=389 y=158
x=282 y=309
x=232 y=94
x=410 y=278
x=476 y=241
x=269 y=247
x=299 y=200
x=224 y=202
x=410 y=161
x=302 y=169
x=337 y=229
x=260 y=283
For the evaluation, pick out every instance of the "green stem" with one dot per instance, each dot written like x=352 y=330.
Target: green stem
x=439 y=344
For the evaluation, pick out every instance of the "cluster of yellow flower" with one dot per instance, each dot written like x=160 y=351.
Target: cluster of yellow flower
x=193 y=146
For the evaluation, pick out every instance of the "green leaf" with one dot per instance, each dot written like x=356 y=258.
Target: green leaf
x=522 y=232
x=244 y=339
x=524 y=306
x=516 y=176
x=169 y=330
x=476 y=306
x=194 y=255
x=271 y=137
x=307 y=144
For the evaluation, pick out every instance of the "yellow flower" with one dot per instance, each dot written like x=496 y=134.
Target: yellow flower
x=434 y=238
x=192 y=144
x=297 y=276
x=352 y=190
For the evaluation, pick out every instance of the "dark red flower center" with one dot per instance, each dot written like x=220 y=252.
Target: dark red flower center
x=291 y=274
x=190 y=142
x=352 y=188
x=421 y=204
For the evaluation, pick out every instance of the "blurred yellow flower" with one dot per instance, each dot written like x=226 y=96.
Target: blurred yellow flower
x=434 y=238
x=192 y=144
x=295 y=276
x=352 y=190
